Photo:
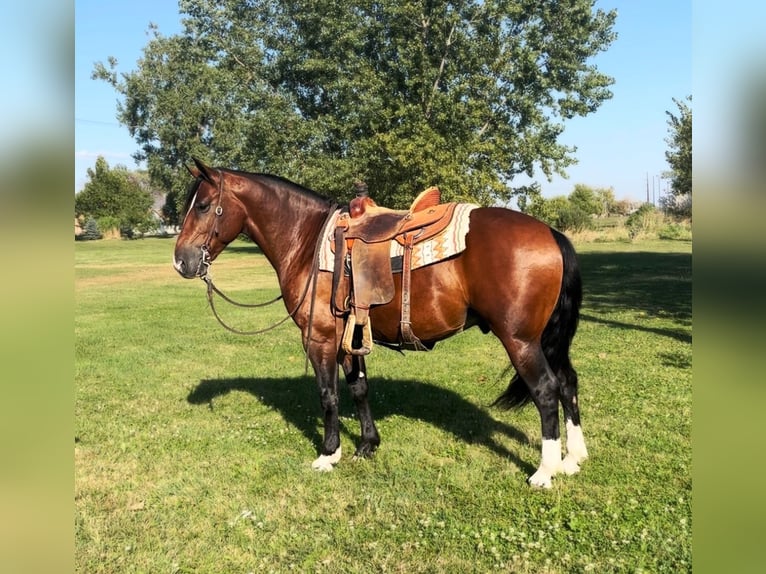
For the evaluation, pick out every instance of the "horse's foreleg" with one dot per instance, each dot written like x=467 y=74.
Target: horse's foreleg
x=356 y=377
x=576 y=449
x=326 y=369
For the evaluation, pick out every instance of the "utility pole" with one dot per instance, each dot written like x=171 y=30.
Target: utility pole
x=647 y=187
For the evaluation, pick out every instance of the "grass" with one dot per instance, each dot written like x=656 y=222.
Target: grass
x=614 y=229
x=193 y=445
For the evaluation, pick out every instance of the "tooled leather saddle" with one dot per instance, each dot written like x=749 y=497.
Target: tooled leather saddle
x=363 y=239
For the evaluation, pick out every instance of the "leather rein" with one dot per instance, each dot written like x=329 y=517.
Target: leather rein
x=204 y=274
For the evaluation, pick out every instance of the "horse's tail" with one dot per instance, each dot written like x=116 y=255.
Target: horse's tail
x=560 y=330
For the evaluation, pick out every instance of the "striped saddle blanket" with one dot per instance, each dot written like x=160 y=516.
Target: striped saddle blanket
x=447 y=243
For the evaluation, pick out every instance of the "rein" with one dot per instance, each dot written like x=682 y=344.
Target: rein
x=211 y=288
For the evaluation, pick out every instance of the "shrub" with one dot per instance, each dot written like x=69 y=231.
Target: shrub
x=572 y=218
x=678 y=206
x=675 y=231
x=645 y=220
x=109 y=226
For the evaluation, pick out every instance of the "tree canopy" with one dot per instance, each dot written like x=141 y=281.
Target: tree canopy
x=679 y=153
x=464 y=94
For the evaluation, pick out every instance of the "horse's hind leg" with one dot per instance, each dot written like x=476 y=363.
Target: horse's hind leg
x=545 y=388
x=356 y=377
x=576 y=449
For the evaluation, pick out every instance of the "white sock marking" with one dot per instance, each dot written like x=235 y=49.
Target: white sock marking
x=327 y=462
x=576 y=449
x=550 y=464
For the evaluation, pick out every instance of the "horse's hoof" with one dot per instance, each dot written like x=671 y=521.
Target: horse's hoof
x=327 y=462
x=322 y=466
x=570 y=465
x=540 y=480
x=364 y=451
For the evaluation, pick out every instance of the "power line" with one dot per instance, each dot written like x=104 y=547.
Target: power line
x=98 y=122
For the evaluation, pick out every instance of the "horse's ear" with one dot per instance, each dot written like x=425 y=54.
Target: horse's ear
x=193 y=171
x=203 y=170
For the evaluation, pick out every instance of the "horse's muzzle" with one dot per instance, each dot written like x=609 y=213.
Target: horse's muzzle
x=188 y=262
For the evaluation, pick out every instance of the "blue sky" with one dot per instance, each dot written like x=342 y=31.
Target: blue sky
x=620 y=144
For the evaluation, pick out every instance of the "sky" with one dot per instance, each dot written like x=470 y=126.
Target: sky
x=621 y=145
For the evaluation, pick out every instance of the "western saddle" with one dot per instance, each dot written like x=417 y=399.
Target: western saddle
x=363 y=237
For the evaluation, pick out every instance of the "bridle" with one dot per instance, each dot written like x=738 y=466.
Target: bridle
x=218 y=212
x=203 y=271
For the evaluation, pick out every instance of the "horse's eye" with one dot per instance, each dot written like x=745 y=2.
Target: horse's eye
x=203 y=207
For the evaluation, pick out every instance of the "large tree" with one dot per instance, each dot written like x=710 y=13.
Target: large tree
x=679 y=153
x=403 y=94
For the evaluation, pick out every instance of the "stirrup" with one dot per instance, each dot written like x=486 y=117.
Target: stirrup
x=348 y=337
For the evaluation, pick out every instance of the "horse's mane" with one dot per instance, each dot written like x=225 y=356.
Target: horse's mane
x=281 y=181
x=284 y=182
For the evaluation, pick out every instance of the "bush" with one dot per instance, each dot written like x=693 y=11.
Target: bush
x=109 y=226
x=675 y=231
x=678 y=206
x=572 y=218
x=644 y=221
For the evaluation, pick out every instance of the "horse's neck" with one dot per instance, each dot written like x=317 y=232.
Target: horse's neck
x=287 y=234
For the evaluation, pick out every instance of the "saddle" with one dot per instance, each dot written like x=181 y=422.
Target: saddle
x=363 y=239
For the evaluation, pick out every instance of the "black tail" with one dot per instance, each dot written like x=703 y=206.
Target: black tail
x=560 y=330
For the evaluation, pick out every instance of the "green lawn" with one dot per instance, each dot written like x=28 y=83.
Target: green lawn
x=193 y=445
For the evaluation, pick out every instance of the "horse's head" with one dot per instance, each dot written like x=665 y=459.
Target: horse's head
x=214 y=218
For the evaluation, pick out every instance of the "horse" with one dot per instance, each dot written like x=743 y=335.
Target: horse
x=517 y=278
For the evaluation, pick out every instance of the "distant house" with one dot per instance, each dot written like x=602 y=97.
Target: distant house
x=158 y=202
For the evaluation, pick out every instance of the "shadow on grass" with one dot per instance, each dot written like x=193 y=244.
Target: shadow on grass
x=678 y=335
x=655 y=284
x=676 y=360
x=296 y=399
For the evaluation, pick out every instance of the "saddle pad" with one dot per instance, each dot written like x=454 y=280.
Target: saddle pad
x=448 y=243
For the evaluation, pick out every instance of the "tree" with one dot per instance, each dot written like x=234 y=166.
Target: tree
x=559 y=212
x=586 y=200
x=607 y=201
x=465 y=94
x=679 y=154
x=533 y=203
x=90 y=230
x=116 y=194
x=593 y=201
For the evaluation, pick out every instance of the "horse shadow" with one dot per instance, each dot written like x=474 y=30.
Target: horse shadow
x=296 y=399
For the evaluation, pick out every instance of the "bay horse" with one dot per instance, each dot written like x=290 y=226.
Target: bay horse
x=517 y=278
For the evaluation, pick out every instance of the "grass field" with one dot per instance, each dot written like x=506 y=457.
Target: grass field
x=193 y=445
